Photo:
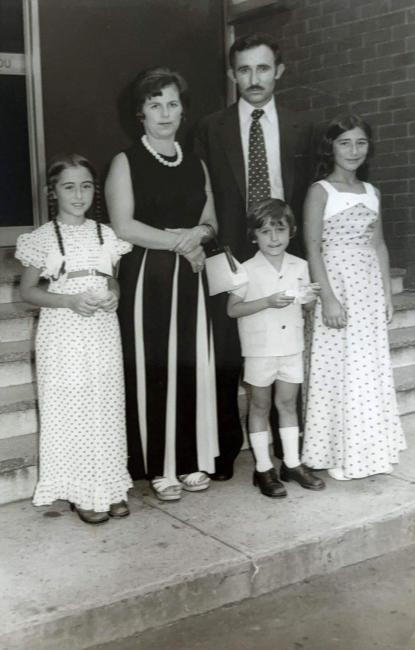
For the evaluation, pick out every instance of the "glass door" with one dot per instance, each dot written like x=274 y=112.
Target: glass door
x=21 y=120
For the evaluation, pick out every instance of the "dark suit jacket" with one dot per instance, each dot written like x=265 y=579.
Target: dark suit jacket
x=218 y=143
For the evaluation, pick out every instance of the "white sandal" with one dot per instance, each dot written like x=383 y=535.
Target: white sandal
x=166 y=489
x=195 y=482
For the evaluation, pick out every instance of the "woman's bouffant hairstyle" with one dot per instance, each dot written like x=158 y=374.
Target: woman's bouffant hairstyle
x=274 y=210
x=149 y=83
x=57 y=165
x=254 y=40
x=337 y=126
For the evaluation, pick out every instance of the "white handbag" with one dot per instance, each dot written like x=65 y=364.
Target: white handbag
x=224 y=272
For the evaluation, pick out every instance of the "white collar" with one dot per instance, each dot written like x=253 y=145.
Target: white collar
x=245 y=111
x=286 y=260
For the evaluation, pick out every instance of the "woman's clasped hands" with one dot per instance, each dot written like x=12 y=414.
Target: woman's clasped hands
x=189 y=245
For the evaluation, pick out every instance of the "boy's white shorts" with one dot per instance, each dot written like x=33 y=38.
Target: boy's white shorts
x=263 y=371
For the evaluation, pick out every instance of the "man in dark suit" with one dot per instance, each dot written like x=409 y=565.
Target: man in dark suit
x=224 y=143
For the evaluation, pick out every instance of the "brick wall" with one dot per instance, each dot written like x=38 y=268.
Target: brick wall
x=360 y=55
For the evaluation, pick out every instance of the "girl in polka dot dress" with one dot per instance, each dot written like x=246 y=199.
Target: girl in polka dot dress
x=78 y=351
x=352 y=424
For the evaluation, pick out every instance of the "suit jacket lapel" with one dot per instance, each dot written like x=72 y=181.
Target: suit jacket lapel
x=233 y=146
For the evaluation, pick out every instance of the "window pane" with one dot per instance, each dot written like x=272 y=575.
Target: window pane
x=11 y=26
x=15 y=185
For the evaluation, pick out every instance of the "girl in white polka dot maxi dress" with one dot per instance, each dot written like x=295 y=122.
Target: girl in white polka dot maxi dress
x=352 y=424
x=79 y=370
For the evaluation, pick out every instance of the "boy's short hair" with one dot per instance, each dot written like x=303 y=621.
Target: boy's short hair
x=274 y=210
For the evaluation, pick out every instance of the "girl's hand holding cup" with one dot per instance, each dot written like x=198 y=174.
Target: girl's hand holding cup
x=279 y=300
x=104 y=298
x=83 y=303
x=305 y=293
x=110 y=302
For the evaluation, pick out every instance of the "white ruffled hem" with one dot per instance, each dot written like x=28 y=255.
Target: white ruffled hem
x=88 y=497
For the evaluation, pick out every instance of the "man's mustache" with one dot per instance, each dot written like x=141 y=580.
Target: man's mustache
x=256 y=88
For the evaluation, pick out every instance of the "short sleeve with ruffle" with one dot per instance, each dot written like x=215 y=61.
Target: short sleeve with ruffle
x=30 y=250
x=116 y=246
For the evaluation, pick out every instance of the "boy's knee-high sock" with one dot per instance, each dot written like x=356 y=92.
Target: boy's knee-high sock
x=260 y=447
x=289 y=438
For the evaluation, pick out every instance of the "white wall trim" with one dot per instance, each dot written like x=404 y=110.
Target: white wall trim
x=35 y=110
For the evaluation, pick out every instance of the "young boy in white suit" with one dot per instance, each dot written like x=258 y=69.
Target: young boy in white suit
x=270 y=325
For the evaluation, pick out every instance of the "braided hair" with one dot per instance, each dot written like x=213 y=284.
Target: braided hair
x=56 y=167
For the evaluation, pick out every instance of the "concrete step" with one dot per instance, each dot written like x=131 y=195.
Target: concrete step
x=405 y=388
x=402 y=346
x=18 y=482
x=404 y=306
x=18 y=411
x=17 y=321
x=93 y=585
x=9 y=291
x=18 y=452
x=10 y=271
x=18 y=442
x=16 y=363
x=408 y=424
x=397 y=277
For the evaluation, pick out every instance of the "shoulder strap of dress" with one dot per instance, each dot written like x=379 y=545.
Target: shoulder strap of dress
x=369 y=188
x=325 y=184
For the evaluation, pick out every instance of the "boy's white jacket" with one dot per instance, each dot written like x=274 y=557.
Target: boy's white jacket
x=272 y=332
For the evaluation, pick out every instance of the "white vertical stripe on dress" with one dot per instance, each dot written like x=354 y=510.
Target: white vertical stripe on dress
x=140 y=361
x=214 y=411
x=206 y=422
x=170 y=436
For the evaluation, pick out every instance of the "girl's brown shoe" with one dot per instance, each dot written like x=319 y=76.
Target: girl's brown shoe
x=118 y=510
x=90 y=516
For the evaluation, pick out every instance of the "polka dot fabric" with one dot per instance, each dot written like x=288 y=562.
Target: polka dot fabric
x=80 y=381
x=351 y=415
x=258 y=178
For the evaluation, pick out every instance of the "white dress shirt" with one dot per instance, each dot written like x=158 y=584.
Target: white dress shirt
x=270 y=128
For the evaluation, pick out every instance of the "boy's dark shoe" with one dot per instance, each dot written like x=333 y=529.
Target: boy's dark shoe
x=303 y=476
x=269 y=484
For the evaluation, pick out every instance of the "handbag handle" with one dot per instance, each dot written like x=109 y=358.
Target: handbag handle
x=230 y=259
x=225 y=249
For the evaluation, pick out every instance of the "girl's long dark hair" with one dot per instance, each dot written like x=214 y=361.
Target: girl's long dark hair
x=56 y=167
x=337 y=126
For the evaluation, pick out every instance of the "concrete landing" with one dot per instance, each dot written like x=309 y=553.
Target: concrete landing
x=367 y=606
x=70 y=586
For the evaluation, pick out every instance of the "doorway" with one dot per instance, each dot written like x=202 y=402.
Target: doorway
x=21 y=121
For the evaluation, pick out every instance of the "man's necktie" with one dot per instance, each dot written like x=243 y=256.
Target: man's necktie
x=258 y=179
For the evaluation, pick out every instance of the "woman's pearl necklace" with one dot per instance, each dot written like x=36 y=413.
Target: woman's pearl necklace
x=159 y=157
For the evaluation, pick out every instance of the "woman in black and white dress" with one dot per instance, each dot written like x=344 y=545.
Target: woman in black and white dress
x=159 y=199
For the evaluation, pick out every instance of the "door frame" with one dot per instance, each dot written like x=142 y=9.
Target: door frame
x=33 y=75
